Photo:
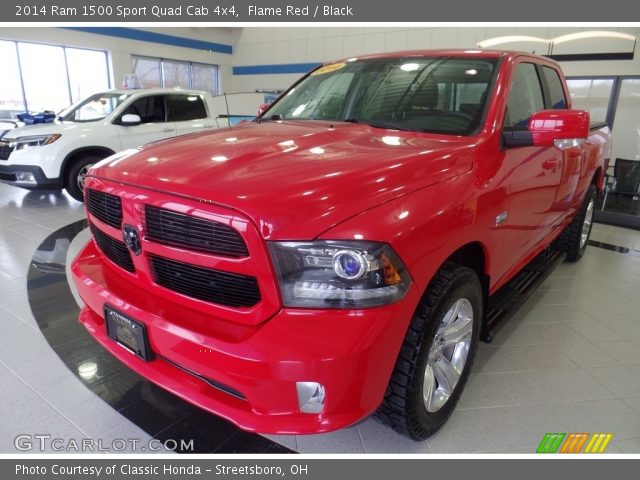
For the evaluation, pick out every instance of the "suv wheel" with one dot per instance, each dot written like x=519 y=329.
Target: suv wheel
x=74 y=181
x=436 y=356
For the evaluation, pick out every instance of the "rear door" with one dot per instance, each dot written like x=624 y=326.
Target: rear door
x=153 y=126
x=188 y=113
x=571 y=159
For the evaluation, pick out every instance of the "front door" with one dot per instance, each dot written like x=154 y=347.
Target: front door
x=153 y=122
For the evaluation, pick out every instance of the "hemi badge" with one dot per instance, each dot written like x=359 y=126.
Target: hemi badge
x=500 y=218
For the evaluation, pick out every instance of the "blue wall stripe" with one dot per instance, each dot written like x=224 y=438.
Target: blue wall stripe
x=142 y=35
x=274 y=69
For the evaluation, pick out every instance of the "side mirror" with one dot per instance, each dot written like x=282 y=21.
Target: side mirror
x=262 y=108
x=130 y=120
x=560 y=128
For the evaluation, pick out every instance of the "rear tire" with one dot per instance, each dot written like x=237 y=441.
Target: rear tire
x=437 y=354
x=74 y=180
x=574 y=238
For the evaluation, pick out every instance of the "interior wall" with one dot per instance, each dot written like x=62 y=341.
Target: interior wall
x=121 y=49
x=294 y=45
x=284 y=45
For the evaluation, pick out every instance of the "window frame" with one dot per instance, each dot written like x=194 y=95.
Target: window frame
x=546 y=88
x=118 y=119
x=182 y=94
x=524 y=60
x=64 y=48
x=191 y=64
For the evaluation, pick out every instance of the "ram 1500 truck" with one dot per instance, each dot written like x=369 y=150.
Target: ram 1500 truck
x=58 y=155
x=335 y=257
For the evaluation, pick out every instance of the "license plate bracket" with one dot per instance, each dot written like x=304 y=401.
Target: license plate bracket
x=128 y=333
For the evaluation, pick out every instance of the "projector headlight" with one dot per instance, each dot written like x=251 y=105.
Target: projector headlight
x=338 y=274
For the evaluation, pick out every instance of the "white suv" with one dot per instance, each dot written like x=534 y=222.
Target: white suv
x=57 y=155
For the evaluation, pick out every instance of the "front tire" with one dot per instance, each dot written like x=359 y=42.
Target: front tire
x=574 y=238
x=74 y=181
x=437 y=354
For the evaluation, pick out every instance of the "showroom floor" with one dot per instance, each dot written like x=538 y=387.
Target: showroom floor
x=566 y=362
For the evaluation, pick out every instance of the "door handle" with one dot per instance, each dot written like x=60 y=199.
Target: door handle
x=168 y=129
x=550 y=164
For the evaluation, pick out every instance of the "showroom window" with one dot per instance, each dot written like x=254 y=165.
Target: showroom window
x=39 y=77
x=160 y=72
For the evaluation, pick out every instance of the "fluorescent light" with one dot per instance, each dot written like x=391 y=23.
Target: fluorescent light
x=410 y=67
x=593 y=34
x=492 y=42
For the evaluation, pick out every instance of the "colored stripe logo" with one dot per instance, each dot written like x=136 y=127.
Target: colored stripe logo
x=574 y=443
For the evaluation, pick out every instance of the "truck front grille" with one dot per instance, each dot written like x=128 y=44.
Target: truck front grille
x=206 y=284
x=105 y=207
x=179 y=230
x=113 y=249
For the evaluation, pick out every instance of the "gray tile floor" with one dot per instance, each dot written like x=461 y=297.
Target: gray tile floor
x=568 y=361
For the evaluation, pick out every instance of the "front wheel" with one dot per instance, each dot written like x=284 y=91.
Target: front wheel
x=436 y=356
x=74 y=181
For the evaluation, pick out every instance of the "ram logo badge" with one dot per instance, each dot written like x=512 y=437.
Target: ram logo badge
x=132 y=239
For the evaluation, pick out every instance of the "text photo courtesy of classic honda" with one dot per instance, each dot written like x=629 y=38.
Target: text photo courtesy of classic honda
x=336 y=257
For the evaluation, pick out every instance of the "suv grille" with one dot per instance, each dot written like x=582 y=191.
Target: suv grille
x=205 y=284
x=114 y=250
x=5 y=150
x=180 y=230
x=105 y=207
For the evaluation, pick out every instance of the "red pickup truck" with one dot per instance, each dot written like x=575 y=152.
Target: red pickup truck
x=335 y=257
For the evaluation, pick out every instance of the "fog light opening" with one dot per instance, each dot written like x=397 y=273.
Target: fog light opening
x=311 y=396
x=25 y=177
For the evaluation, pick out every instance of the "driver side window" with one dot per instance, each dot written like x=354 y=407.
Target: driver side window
x=525 y=97
x=150 y=109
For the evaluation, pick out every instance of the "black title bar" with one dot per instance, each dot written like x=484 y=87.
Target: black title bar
x=258 y=11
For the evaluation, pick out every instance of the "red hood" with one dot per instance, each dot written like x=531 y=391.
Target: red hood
x=294 y=180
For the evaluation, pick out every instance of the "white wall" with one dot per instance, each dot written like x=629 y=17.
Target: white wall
x=121 y=49
x=285 y=45
x=281 y=45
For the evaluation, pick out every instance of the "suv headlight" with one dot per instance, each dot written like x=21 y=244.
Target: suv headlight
x=23 y=143
x=338 y=274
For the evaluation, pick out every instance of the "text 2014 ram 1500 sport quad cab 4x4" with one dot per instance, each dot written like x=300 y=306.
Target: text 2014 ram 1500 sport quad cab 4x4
x=335 y=257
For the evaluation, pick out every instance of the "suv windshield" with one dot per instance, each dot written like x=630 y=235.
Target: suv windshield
x=94 y=108
x=426 y=94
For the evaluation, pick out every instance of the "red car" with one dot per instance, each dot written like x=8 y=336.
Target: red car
x=336 y=256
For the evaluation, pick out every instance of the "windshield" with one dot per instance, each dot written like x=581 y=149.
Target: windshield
x=439 y=94
x=94 y=108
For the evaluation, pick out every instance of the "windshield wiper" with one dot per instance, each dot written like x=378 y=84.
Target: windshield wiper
x=379 y=124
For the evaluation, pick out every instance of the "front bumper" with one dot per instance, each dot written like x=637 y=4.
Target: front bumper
x=38 y=180
x=250 y=377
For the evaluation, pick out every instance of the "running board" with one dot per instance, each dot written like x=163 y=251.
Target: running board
x=508 y=299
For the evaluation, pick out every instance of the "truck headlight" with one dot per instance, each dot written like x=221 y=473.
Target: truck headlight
x=338 y=274
x=23 y=143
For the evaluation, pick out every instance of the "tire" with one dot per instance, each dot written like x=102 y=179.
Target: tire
x=574 y=238
x=74 y=180
x=408 y=407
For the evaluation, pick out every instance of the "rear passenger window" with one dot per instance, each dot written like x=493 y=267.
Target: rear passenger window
x=150 y=109
x=525 y=97
x=185 y=107
x=554 y=85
